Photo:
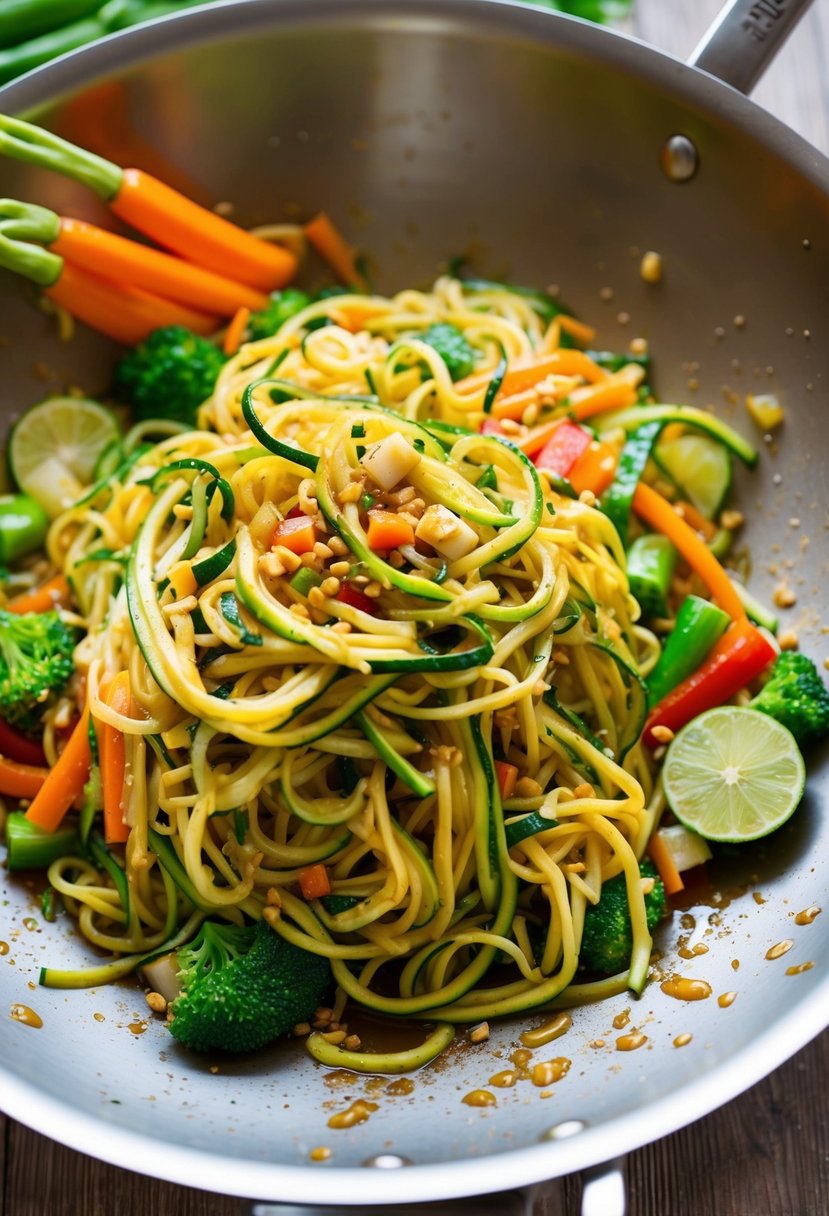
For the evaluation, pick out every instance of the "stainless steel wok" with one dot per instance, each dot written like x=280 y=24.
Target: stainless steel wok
x=547 y=150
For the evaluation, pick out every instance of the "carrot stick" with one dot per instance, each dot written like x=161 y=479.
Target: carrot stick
x=235 y=331
x=21 y=780
x=577 y=329
x=314 y=882
x=333 y=248
x=525 y=373
x=535 y=440
x=514 y=405
x=98 y=251
x=65 y=781
x=661 y=858
x=617 y=392
x=126 y=314
x=695 y=520
x=113 y=760
x=200 y=235
x=55 y=591
x=595 y=468
x=661 y=516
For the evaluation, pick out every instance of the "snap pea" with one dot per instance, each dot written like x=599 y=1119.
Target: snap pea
x=21 y=20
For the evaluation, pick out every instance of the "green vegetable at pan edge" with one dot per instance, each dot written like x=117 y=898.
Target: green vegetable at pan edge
x=452 y=347
x=282 y=305
x=168 y=375
x=797 y=697
x=607 y=941
x=243 y=987
x=35 y=662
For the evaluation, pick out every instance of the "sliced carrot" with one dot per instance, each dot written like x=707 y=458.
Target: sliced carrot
x=21 y=780
x=617 y=392
x=507 y=775
x=126 y=261
x=525 y=373
x=112 y=748
x=661 y=858
x=125 y=314
x=660 y=515
x=200 y=235
x=535 y=440
x=595 y=468
x=577 y=329
x=65 y=781
x=388 y=531
x=296 y=533
x=335 y=250
x=514 y=405
x=314 y=882
x=236 y=331
x=695 y=520
x=53 y=593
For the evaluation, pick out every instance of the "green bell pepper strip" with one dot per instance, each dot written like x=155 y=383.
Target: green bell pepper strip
x=651 y=562
x=617 y=500
x=699 y=624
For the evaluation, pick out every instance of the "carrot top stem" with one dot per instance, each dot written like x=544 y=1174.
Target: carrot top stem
x=34 y=146
x=21 y=224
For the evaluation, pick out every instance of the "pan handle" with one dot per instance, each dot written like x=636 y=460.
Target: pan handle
x=744 y=39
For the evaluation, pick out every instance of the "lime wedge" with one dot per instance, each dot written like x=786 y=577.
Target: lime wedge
x=733 y=774
x=54 y=447
x=700 y=466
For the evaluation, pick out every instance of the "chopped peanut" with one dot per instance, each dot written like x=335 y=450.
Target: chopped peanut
x=662 y=734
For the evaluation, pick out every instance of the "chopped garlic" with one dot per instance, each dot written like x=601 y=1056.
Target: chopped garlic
x=390 y=460
x=446 y=532
x=765 y=410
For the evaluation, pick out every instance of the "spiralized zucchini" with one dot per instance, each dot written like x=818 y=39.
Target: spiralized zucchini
x=280 y=724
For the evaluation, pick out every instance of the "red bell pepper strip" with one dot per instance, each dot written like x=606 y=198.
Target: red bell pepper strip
x=356 y=599
x=737 y=659
x=18 y=747
x=563 y=449
x=507 y=775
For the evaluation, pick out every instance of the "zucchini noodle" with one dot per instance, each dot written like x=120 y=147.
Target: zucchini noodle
x=345 y=704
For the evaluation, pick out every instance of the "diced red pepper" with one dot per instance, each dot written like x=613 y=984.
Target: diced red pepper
x=561 y=452
x=314 y=882
x=295 y=512
x=507 y=775
x=737 y=659
x=296 y=534
x=356 y=599
x=17 y=746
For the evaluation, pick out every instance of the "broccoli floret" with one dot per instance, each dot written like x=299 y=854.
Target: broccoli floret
x=607 y=940
x=452 y=347
x=35 y=662
x=281 y=306
x=168 y=375
x=797 y=697
x=242 y=987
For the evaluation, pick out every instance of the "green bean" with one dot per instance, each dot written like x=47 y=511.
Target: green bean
x=21 y=20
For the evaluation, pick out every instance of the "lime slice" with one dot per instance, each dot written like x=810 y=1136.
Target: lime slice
x=733 y=774
x=701 y=468
x=54 y=448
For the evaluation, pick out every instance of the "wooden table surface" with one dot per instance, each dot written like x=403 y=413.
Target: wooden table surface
x=764 y=1154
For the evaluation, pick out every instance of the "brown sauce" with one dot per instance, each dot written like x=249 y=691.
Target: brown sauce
x=682 y=989
x=632 y=1041
x=137 y=1028
x=799 y=969
x=780 y=949
x=505 y=1079
x=539 y=1036
x=99 y=1017
x=322 y=1153
x=400 y=1088
x=479 y=1097
x=4 y=948
x=22 y=1013
x=725 y=999
x=803 y=918
x=550 y=1071
x=357 y=1112
x=682 y=1040
x=621 y=1020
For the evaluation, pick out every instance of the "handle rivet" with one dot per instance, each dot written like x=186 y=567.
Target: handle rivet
x=563 y=1131
x=387 y=1161
x=680 y=159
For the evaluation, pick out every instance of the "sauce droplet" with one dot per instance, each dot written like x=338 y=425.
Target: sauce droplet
x=621 y=1020
x=22 y=1013
x=400 y=1088
x=137 y=1027
x=735 y=964
x=99 y=1017
x=682 y=1040
x=725 y=999
x=479 y=1097
x=4 y=948
x=799 y=969
x=358 y=1112
x=322 y=1153
x=803 y=918
x=780 y=949
x=630 y=1042
x=505 y=1079
x=686 y=990
x=541 y=1035
x=758 y=898
x=30 y=923
x=550 y=1071
x=596 y=1043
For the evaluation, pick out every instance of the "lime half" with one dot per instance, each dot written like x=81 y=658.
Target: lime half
x=54 y=448
x=733 y=774
x=700 y=466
